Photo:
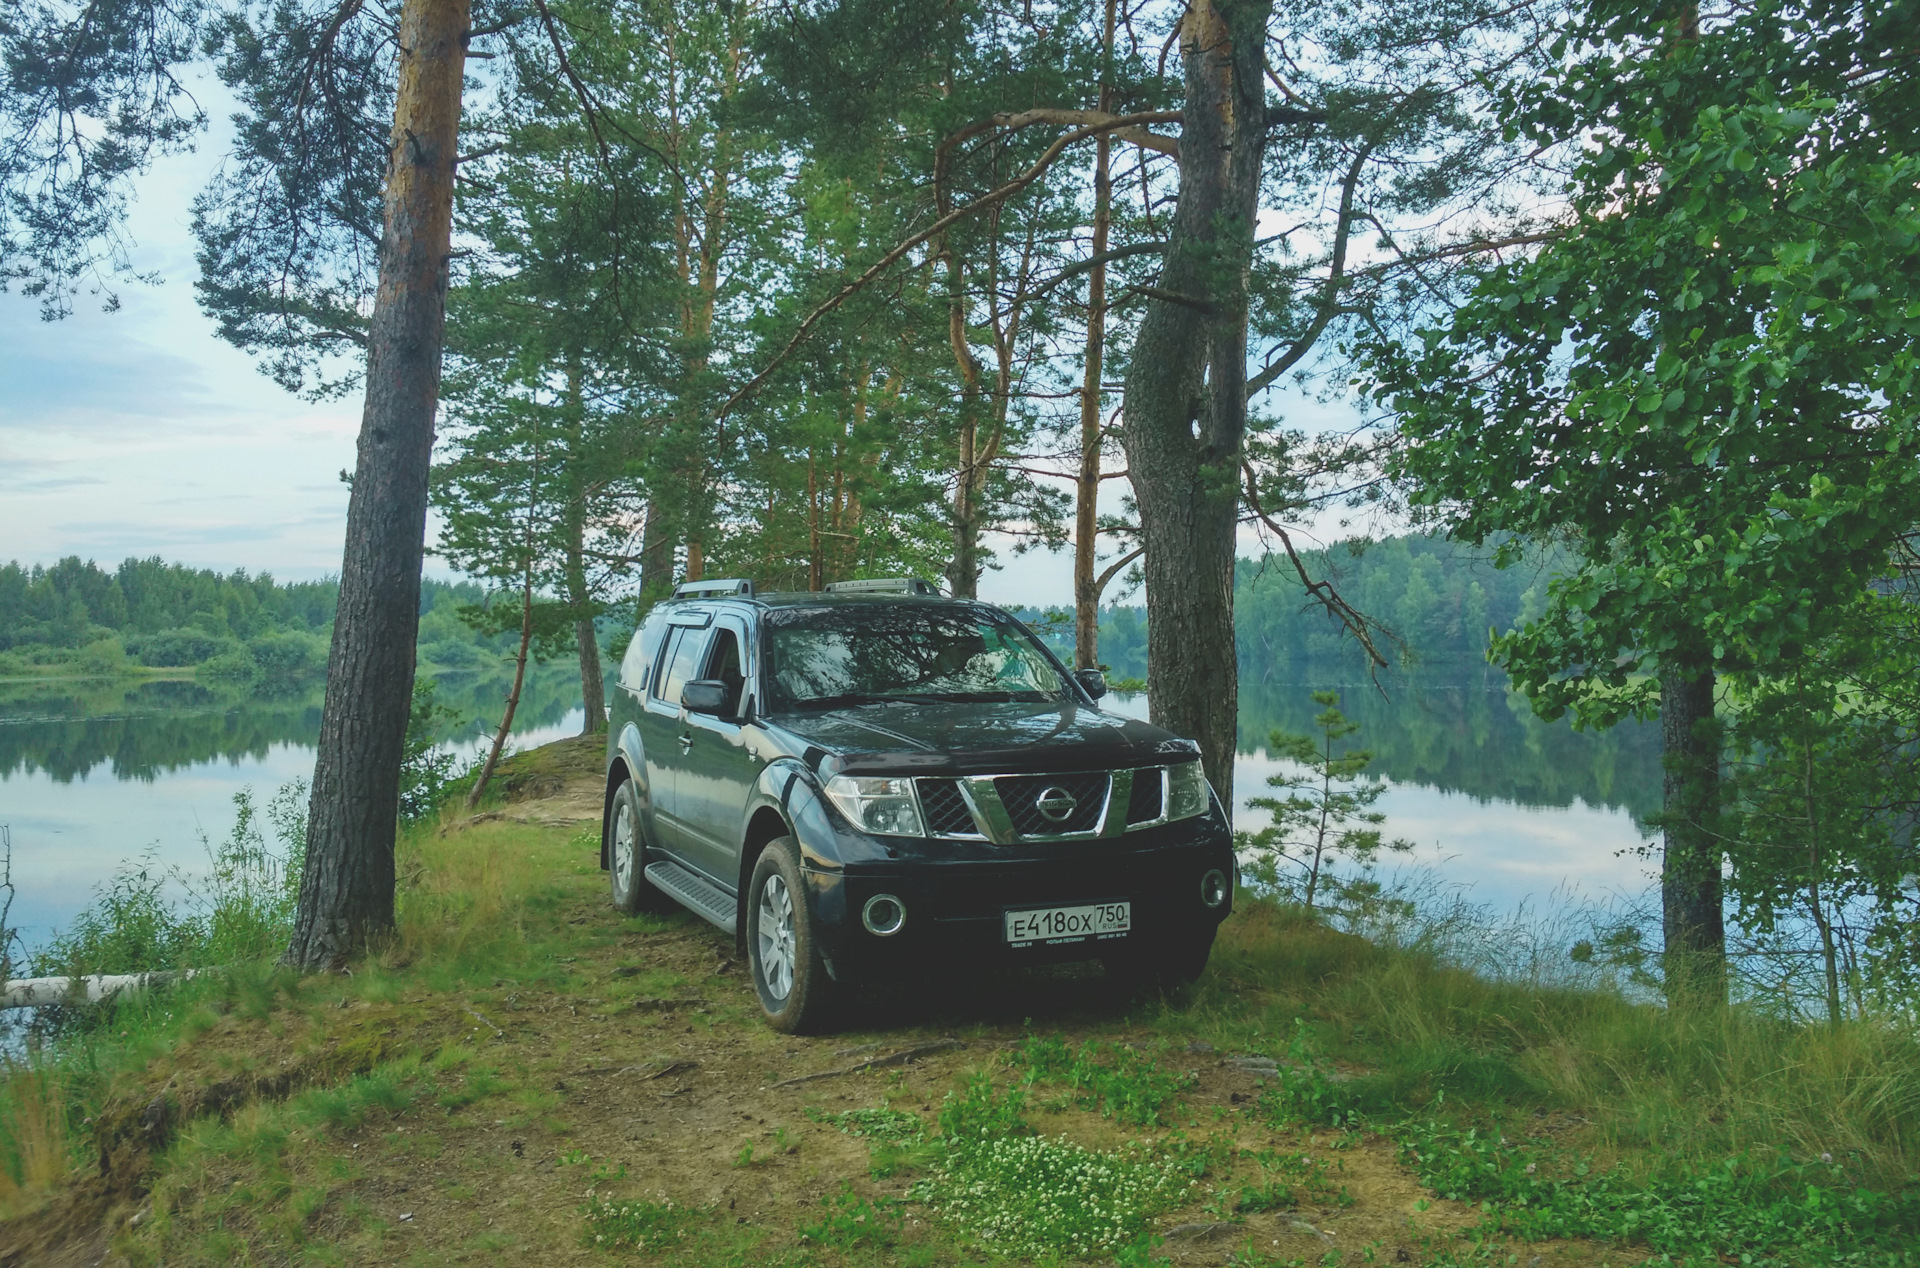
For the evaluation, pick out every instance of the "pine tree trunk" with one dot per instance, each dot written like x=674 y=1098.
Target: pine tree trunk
x=1186 y=411
x=1086 y=523
x=346 y=887
x=1691 y=912
x=656 y=553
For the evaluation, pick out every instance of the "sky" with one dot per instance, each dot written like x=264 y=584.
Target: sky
x=140 y=432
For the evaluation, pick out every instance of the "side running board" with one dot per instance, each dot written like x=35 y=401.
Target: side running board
x=696 y=893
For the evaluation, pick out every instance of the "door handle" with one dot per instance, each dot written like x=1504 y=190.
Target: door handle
x=686 y=741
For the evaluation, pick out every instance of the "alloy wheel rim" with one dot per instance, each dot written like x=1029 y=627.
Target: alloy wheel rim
x=623 y=848
x=775 y=937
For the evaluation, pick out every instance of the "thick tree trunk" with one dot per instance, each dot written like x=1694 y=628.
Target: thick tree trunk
x=1186 y=410
x=346 y=889
x=1086 y=520
x=1691 y=912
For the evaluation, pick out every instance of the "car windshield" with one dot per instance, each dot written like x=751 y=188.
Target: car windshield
x=820 y=658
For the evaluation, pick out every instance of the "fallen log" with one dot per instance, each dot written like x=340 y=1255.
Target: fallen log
x=95 y=988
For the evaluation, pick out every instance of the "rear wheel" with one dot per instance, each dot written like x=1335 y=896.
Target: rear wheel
x=789 y=973
x=627 y=856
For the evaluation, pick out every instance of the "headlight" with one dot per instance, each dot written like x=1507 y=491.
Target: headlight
x=1187 y=791
x=877 y=804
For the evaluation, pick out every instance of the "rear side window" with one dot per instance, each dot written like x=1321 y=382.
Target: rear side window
x=682 y=663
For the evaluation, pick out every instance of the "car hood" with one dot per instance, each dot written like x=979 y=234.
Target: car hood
x=980 y=738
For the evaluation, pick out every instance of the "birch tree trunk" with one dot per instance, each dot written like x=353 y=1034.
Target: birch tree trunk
x=346 y=887
x=1186 y=410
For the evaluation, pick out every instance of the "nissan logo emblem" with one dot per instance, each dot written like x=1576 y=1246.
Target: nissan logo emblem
x=1055 y=803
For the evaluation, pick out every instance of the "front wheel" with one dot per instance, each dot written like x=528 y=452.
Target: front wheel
x=788 y=971
x=627 y=857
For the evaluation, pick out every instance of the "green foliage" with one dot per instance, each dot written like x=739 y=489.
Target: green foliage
x=1120 y=1081
x=1321 y=820
x=428 y=772
x=144 y=919
x=1289 y=1179
x=1038 y=1196
x=650 y=1226
x=1766 y=1211
x=873 y=1124
x=851 y=1221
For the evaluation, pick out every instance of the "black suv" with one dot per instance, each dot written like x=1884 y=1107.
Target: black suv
x=856 y=781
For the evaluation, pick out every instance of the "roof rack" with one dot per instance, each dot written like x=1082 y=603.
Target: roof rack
x=713 y=589
x=887 y=585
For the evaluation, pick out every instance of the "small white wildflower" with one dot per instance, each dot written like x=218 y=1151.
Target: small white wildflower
x=1827 y=1158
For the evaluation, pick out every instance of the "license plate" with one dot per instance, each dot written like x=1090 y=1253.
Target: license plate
x=1048 y=926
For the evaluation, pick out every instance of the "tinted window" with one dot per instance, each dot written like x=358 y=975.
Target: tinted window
x=683 y=663
x=820 y=657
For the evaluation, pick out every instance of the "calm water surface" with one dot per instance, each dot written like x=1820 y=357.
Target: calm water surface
x=1514 y=809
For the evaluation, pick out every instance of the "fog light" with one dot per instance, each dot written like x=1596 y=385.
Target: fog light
x=883 y=915
x=1214 y=890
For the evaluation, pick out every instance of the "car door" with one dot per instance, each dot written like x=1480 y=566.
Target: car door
x=663 y=732
x=720 y=766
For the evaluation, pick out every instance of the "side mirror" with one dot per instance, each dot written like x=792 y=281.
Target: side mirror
x=705 y=695
x=1093 y=681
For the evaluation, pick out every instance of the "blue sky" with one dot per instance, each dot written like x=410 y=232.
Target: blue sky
x=140 y=433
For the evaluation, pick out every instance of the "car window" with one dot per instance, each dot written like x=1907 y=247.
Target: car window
x=820 y=657
x=682 y=663
x=723 y=664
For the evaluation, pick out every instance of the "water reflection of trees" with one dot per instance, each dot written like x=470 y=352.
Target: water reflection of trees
x=1466 y=733
x=145 y=730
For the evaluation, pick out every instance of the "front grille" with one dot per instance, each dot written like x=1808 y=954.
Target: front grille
x=947 y=813
x=1021 y=794
x=1146 y=803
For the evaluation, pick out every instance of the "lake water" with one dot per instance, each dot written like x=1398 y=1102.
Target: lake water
x=1514 y=810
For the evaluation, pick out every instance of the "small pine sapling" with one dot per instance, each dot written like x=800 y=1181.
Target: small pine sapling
x=1325 y=815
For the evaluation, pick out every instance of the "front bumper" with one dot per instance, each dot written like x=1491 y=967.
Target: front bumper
x=956 y=896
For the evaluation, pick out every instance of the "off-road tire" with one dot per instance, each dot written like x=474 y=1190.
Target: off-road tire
x=627 y=856
x=782 y=947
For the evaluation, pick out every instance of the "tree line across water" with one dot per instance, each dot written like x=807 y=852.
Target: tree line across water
x=1439 y=599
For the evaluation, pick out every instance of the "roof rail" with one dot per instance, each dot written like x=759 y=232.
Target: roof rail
x=713 y=589
x=887 y=585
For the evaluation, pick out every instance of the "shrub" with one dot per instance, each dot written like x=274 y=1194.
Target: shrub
x=176 y=649
x=236 y=667
x=241 y=912
x=290 y=658
x=103 y=658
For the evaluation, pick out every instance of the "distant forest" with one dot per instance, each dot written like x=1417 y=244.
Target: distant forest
x=76 y=617
x=1436 y=595
x=1439 y=598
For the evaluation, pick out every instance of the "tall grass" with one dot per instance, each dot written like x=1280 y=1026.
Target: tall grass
x=147 y=917
x=1650 y=1083
x=471 y=904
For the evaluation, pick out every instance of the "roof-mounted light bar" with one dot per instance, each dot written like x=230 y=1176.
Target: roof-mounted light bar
x=713 y=589
x=886 y=585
